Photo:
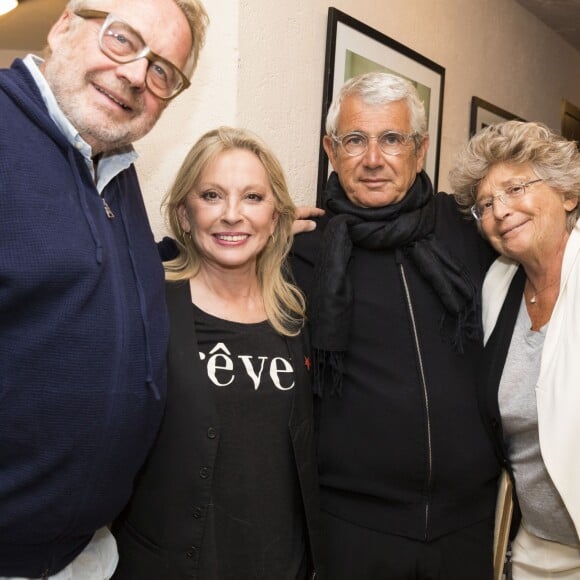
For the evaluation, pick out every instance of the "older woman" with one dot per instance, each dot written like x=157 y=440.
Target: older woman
x=230 y=488
x=521 y=183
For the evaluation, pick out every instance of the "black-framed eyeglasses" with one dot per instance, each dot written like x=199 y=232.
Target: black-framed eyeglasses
x=484 y=207
x=390 y=142
x=123 y=44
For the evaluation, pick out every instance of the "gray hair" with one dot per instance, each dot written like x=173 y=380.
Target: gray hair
x=197 y=19
x=378 y=88
x=552 y=157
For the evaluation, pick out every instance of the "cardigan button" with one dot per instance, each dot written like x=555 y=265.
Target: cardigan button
x=211 y=433
x=191 y=552
x=196 y=513
x=204 y=472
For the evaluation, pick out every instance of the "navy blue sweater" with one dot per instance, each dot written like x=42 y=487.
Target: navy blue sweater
x=83 y=332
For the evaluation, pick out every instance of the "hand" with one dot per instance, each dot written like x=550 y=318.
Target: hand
x=303 y=223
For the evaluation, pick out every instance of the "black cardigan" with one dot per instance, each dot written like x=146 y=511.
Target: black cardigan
x=161 y=531
x=491 y=369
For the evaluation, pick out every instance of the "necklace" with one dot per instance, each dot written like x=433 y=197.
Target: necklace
x=535 y=294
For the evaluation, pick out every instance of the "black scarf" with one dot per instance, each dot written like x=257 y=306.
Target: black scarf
x=406 y=225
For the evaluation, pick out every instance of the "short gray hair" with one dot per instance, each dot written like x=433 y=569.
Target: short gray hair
x=378 y=88
x=552 y=157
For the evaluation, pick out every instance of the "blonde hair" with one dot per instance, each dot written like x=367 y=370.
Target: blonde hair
x=552 y=157
x=283 y=302
x=197 y=19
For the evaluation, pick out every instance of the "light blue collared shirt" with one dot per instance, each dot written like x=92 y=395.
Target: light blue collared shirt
x=109 y=165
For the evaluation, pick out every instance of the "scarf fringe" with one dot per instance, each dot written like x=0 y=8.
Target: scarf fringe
x=328 y=370
x=465 y=326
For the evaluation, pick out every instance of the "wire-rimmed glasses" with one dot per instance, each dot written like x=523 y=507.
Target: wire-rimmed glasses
x=484 y=206
x=390 y=142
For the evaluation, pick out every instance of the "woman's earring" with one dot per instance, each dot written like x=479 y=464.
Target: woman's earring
x=182 y=234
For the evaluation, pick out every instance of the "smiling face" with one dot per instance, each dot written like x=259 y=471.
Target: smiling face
x=374 y=179
x=108 y=103
x=532 y=228
x=231 y=211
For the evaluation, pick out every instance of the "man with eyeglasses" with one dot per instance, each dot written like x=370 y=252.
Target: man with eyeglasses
x=83 y=328
x=392 y=275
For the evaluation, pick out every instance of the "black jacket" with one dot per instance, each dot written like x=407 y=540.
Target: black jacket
x=161 y=531
x=404 y=450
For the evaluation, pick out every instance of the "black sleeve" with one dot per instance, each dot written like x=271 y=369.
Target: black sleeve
x=303 y=256
x=167 y=249
x=462 y=237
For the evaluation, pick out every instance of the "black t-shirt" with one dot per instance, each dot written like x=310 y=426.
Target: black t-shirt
x=255 y=527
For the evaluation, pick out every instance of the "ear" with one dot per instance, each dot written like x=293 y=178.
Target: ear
x=570 y=202
x=59 y=29
x=329 y=147
x=275 y=220
x=421 y=153
x=183 y=218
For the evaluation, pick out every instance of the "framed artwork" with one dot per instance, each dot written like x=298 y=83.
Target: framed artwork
x=353 y=48
x=484 y=114
x=570 y=116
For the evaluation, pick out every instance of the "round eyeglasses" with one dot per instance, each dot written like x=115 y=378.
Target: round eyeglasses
x=123 y=44
x=484 y=207
x=389 y=142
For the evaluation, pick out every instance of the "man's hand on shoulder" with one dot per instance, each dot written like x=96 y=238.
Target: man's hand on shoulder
x=304 y=222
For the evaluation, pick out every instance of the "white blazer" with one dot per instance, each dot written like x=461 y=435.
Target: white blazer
x=558 y=387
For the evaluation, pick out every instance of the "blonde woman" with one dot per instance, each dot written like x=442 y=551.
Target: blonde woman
x=230 y=489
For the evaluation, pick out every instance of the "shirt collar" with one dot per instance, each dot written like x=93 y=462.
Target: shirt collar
x=108 y=165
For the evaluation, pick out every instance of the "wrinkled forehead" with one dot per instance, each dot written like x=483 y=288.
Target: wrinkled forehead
x=357 y=113
x=502 y=175
x=161 y=23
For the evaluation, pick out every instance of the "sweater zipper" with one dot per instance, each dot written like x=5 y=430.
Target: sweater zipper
x=425 y=396
x=108 y=211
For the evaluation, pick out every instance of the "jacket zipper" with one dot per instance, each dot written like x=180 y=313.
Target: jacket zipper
x=425 y=395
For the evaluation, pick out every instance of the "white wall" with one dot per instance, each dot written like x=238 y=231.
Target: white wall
x=494 y=49
x=211 y=100
x=7 y=56
x=262 y=68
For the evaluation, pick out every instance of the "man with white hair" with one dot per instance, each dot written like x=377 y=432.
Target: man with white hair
x=392 y=274
x=83 y=328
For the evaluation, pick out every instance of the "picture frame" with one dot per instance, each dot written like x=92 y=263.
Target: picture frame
x=352 y=48
x=484 y=114
x=570 y=121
